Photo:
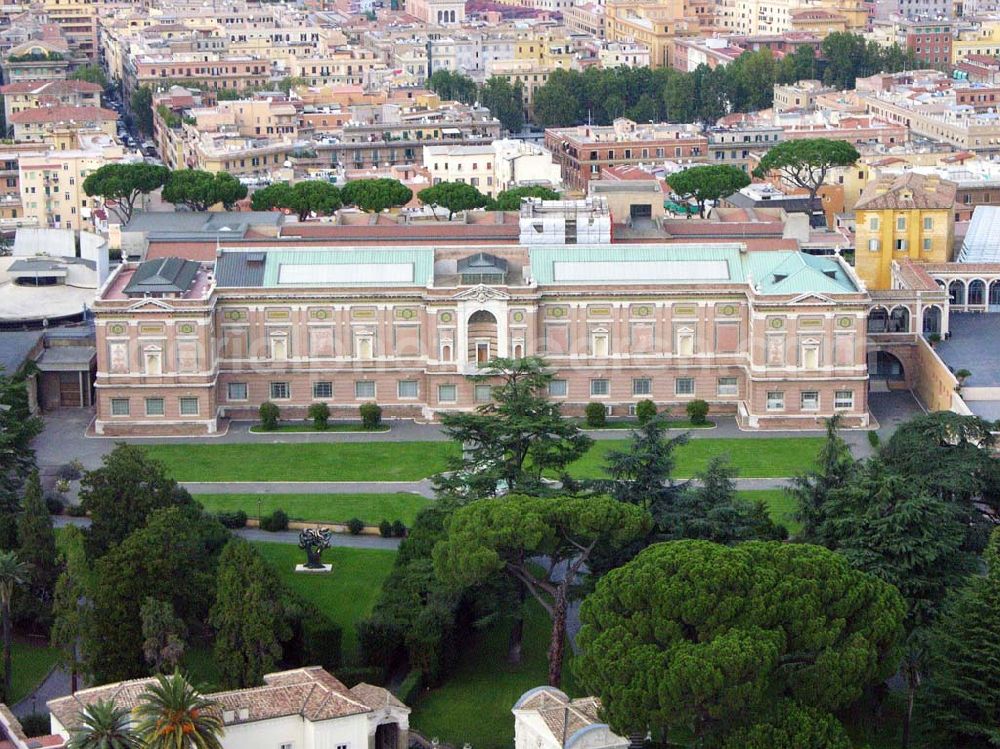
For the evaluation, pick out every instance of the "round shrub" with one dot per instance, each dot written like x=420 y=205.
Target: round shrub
x=232 y=519
x=697 y=411
x=371 y=415
x=398 y=528
x=385 y=529
x=269 y=415
x=54 y=503
x=645 y=410
x=76 y=511
x=320 y=415
x=873 y=439
x=597 y=415
x=70 y=471
x=36 y=724
x=276 y=521
x=356 y=525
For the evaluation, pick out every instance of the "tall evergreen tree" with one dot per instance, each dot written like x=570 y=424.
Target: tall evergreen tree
x=247 y=616
x=963 y=690
x=162 y=635
x=71 y=602
x=36 y=548
x=835 y=465
x=17 y=458
x=13 y=575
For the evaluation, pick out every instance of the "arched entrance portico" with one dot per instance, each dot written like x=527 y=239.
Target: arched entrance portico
x=885 y=367
x=482 y=337
x=932 y=320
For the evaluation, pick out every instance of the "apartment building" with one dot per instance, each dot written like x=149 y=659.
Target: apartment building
x=51 y=182
x=736 y=144
x=36 y=125
x=623 y=54
x=928 y=39
x=493 y=168
x=37 y=94
x=585 y=18
x=801 y=95
x=582 y=151
x=77 y=20
x=36 y=60
x=652 y=24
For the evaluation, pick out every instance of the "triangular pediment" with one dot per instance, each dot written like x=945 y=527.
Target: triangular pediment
x=810 y=298
x=482 y=293
x=150 y=305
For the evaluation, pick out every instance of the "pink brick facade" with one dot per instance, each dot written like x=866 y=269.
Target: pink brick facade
x=777 y=361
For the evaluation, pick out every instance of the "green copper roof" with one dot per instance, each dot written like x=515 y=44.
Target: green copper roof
x=361 y=267
x=775 y=272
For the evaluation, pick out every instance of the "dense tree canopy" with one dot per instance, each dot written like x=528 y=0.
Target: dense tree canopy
x=91 y=74
x=510 y=200
x=505 y=102
x=806 y=162
x=17 y=458
x=453 y=197
x=200 y=190
x=851 y=56
x=375 y=195
x=37 y=549
x=121 y=494
x=508 y=535
x=709 y=182
x=702 y=638
x=124 y=183
x=453 y=86
x=141 y=107
x=304 y=198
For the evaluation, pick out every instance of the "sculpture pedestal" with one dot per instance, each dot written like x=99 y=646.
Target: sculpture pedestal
x=314 y=570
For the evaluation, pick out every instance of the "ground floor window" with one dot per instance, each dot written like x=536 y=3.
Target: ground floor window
x=775 y=400
x=407 y=389
x=844 y=399
x=484 y=393
x=119 y=407
x=280 y=391
x=600 y=387
x=364 y=389
x=322 y=390
x=809 y=400
x=189 y=406
x=154 y=406
x=558 y=388
x=728 y=386
x=684 y=386
x=237 y=391
x=447 y=393
x=642 y=386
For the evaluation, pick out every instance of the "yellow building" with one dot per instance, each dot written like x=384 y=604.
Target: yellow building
x=909 y=216
x=983 y=40
x=654 y=24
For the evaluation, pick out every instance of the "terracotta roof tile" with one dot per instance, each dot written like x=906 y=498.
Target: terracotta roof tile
x=53 y=88
x=63 y=114
x=908 y=191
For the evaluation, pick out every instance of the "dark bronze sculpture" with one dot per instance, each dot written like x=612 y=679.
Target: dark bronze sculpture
x=315 y=541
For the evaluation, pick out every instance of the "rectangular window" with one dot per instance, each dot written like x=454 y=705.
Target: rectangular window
x=684 y=386
x=929 y=224
x=728 y=386
x=407 y=389
x=642 y=386
x=280 y=391
x=189 y=406
x=928 y=244
x=558 y=388
x=322 y=390
x=364 y=389
x=809 y=400
x=447 y=393
x=119 y=407
x=901 y=223
x=873 y=223
x=775 y=400
x=154 y=406
x=600 y=387
x=484 y=393
x=844 y=399
x=902 y=245
x=874 y=245
x=236 y=391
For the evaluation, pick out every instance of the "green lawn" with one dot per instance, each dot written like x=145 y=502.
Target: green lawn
x=411 y=461
x=347 y=594
x=755 y=457
x=307 y=426
x=313 y=461
x=31 y=663
x=474 y=704
x=329 y=508
x=780 y=506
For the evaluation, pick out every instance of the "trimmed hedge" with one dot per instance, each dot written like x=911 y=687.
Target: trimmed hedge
x=276 y=521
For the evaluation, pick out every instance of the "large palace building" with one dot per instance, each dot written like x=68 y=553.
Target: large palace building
x=776 y=337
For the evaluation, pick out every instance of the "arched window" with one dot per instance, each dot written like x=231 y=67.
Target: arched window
x=878 y=320
x=899 y=320
x=956 y=292
x=977 y=292
x=932 y=320
x=995 y=293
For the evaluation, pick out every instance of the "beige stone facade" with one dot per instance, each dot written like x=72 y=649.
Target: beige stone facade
x=773 y=336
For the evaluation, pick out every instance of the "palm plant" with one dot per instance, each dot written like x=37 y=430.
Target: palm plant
x=104 y=725
x=13 y=572
x=173 y=715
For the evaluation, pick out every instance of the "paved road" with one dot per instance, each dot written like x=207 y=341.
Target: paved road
x=56 y=684
x=341 y=540
x=424 y=487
